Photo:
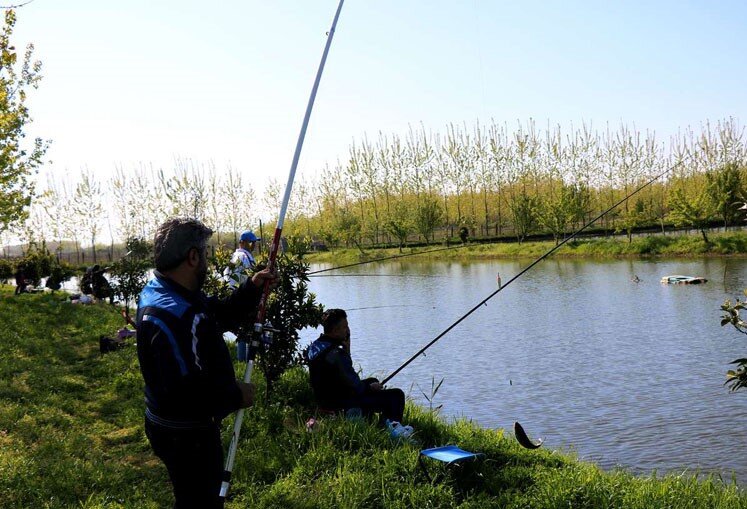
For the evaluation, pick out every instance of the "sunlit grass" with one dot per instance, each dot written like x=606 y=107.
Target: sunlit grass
x=71 y=436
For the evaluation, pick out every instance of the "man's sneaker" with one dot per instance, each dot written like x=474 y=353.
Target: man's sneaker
x=354 y=414
x=397 y=430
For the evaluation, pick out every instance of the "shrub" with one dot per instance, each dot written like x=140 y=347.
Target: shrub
x=290 y=308
x=131 y=272
x=6 y=270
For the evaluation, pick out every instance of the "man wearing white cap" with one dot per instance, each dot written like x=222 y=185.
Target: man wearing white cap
x=243 y=262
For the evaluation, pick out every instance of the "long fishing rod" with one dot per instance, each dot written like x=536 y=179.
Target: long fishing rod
x=261 y=330
x=517 y=276
x=385 y=258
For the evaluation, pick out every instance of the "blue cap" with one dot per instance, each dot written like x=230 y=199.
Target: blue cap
x=248 y=236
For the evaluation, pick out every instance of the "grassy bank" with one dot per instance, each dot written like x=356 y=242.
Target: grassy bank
x=721 y=244
x=71 y=436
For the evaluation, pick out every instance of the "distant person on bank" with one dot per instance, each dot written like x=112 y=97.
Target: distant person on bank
x=243 y=263
x=336 y=384
x=21 y=282
x=190 y=385
x=100 y=286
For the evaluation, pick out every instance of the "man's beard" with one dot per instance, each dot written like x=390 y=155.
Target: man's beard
x=201 y=273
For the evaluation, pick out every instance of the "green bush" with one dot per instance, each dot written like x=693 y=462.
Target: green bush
x=39 y=263
x=290 y=308
x=6 y=269
x=131 y=271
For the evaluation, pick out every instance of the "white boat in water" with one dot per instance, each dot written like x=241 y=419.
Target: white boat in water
x=683 y=280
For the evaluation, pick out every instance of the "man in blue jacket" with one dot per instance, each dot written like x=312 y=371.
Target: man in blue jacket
x=242 y=262
x=190 y=384
x=336 y=384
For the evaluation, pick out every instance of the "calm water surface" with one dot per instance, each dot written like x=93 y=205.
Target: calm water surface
x=622 y=373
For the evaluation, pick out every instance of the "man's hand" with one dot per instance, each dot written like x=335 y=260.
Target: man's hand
x=260 y=277
x=375 y=386
x=247 y=394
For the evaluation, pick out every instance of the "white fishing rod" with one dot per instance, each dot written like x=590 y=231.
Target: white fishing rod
x=260 y=329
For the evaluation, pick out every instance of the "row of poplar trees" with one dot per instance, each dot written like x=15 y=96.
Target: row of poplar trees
x=494 y=180
x=497 y=181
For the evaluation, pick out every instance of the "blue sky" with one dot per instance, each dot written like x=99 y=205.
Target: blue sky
x=147 y=81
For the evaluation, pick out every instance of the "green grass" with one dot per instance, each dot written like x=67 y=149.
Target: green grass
x=71 y=435
x=599 y=247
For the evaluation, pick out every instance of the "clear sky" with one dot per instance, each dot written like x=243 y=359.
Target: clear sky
x=150 y=80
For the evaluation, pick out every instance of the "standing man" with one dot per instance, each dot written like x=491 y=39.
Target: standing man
x=190 y=383
x=242 y=262
x=336 y=384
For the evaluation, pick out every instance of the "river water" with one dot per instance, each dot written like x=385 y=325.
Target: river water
x=622 y=373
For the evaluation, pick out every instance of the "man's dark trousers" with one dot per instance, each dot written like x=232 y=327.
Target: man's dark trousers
x=388 y=403
x=194 y=459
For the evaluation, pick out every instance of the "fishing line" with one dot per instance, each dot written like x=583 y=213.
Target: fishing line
x=382 y=307
x=517 y=276
x=385 y=258
x=375 y=275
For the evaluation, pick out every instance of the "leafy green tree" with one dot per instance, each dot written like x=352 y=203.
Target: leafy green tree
x=349 y=227
x=290 y=308
x=131 y=272
x=725 y=189
x=694 y=211
x=17 y=161
x=524 y=212
x=634 y=217
x=428 y=215
x=398 y=223
x=562 y=209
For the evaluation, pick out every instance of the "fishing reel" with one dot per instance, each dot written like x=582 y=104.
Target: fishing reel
x=264 y=333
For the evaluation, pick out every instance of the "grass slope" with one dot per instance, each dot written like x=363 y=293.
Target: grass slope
x=71 y=436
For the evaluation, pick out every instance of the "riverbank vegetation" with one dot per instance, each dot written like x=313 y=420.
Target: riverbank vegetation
x=680 y=245
x=71 y=436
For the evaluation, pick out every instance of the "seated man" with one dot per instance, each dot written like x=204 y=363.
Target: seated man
x=100 y=286
x=335 y=383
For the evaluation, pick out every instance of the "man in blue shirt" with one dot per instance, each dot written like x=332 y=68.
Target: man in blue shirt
x=242 y=263
x=336 y=384
x=190 y=384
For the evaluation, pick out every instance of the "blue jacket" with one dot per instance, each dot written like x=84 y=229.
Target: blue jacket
x=333 y=378
x=188 y=373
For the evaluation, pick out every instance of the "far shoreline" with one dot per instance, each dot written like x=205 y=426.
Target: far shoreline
x=728 y=244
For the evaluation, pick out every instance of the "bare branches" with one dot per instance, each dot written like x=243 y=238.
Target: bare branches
x=15 y=6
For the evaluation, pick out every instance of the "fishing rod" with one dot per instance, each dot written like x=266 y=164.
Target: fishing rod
x=262 y=330
x=517 y=276
x=393 y=257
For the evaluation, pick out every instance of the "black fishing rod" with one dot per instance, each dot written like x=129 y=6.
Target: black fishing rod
x=393 y=257
x=517 y=276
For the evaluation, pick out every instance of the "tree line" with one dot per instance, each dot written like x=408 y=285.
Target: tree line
x=499 y=181
x=132 y=203
x=492 y=180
